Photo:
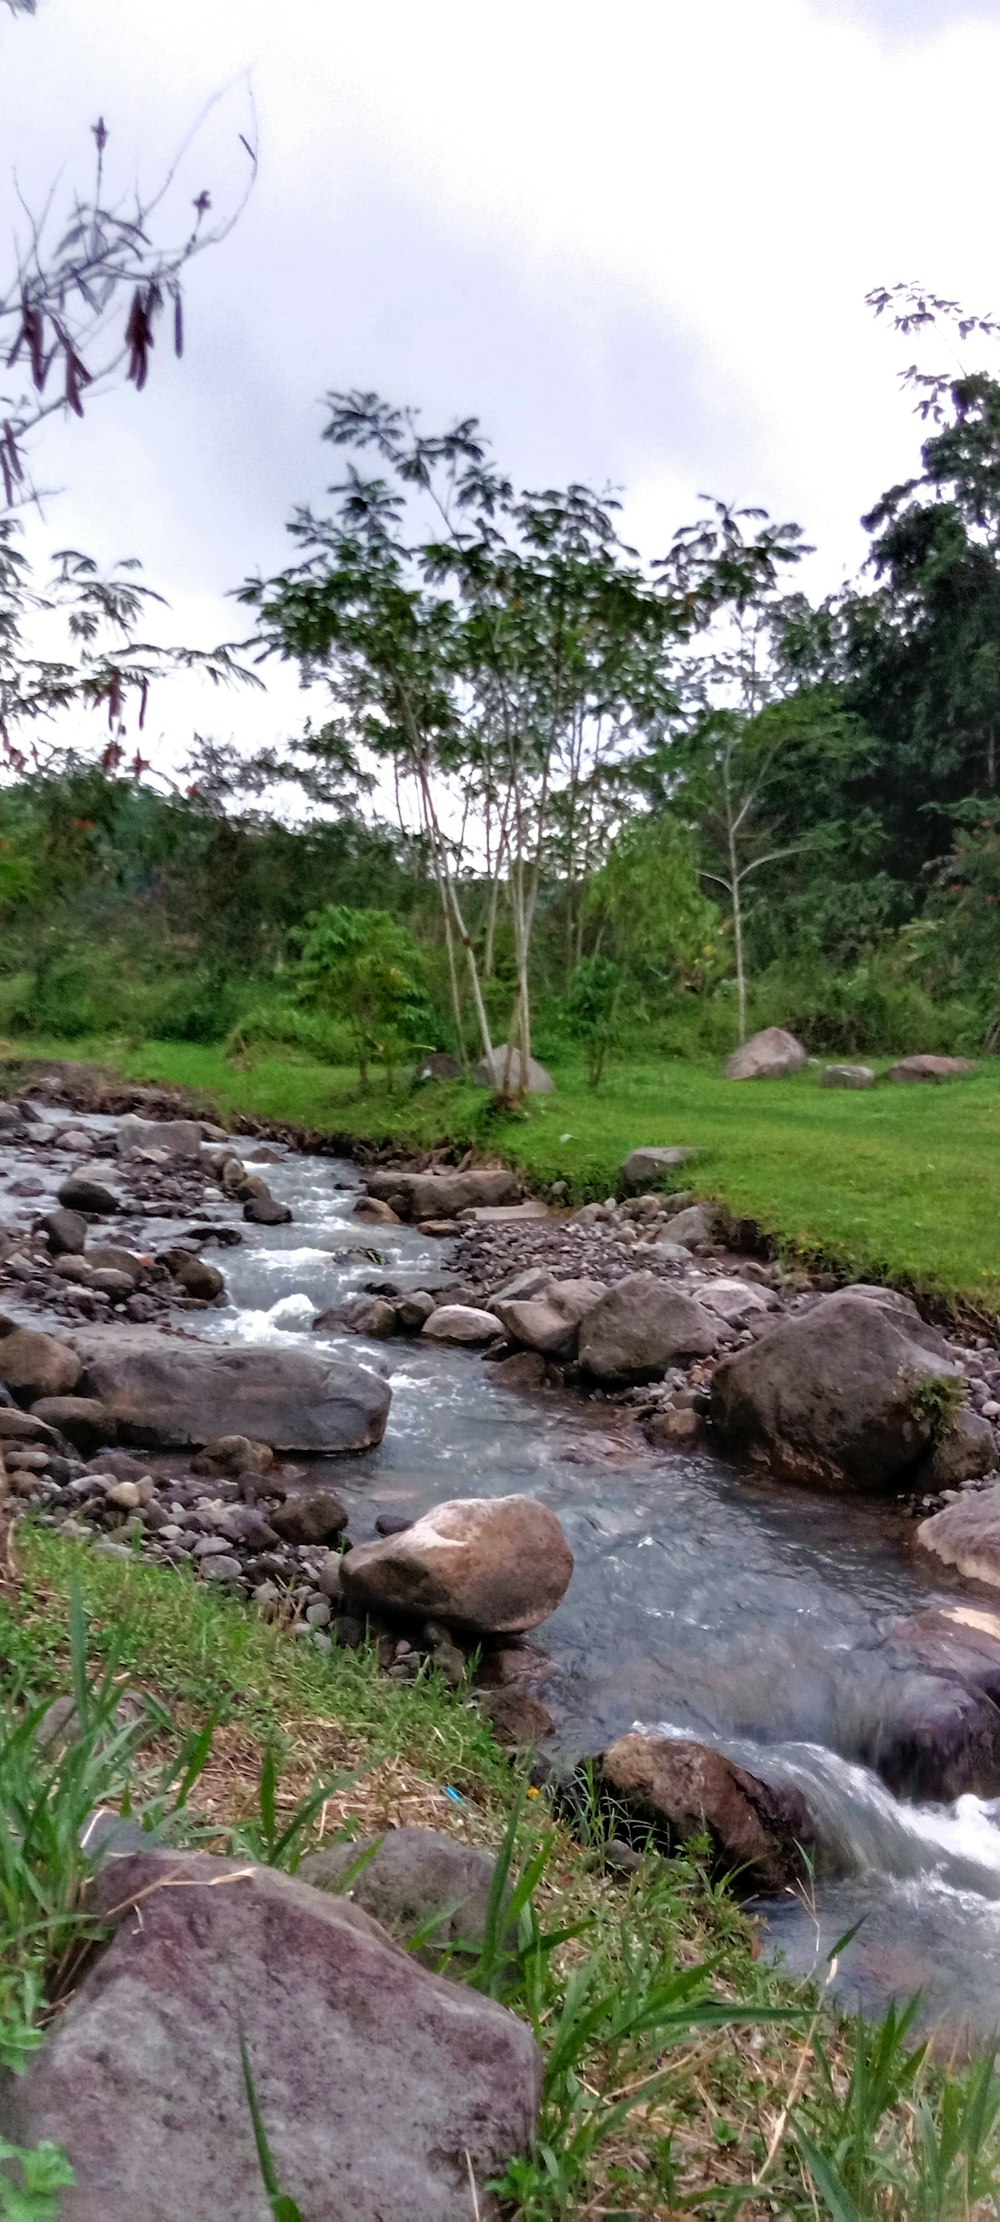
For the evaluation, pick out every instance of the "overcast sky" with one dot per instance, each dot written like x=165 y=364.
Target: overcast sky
x=635 y=240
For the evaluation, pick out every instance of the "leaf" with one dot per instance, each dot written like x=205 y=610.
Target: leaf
x=827 y=2180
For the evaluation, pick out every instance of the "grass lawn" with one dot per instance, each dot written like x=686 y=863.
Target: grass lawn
x=896 y=1182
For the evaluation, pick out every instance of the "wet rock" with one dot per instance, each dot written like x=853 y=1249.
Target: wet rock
x=492 y=1564
x=414 y=1311
x=82 y=1419
x=109 y=1282
x=965 y=1450
x=193 y=1274
x=173 y=1137
x=931 y=1068
x=380 y=1214
x=80 y=1193
x=966 y=1535
x=640 y=1327
x=360 y=1315
x=685 y=1790
x=443 y=1195
x=525 y=1079
x=525 y=1369
x=265 y=1211
x=414 y=1881
x=37 y=1365
x=108 y=1257
x=550 y=1322
x=164 y=1393
x=140 y=2080
x=647 y=1168
x=676 y=1430
x=461 y=1323
x=847 y=1076
x=837 y=1394
x=310 y=1516
x=518 y=1719
x=233 y=1454
x=64 y=1231
x=768 y=1055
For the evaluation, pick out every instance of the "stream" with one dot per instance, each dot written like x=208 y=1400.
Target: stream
x=704 y=1602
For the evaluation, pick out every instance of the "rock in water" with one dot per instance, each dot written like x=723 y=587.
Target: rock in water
x=838 y=1395
x=497 y=1565
x=966 y=1535
x=175 y=1137
x=382 y=2088
x=550 y=1321
x=640 y=1327
x=461 y=1323
x=80 y=1193
x=164 y=1394
x=265 y=1211
x=686 y=1790
x=931 y=1068
x=65 y=1232
x=768 y=1055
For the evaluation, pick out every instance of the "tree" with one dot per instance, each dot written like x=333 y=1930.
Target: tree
x=93 y=281
x=498 y=650
x=727 y=566
x=360 y=966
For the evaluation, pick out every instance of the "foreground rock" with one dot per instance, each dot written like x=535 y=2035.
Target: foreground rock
x=685 y=1790
x=931 y=1068
x=640 y=1327
x=36 y=1365
x=769 y=1055
x=442 y=1195
x=166 y=1394
x=966 y=1535
x=549 y=1320
x=462 y=1323
x=531 y=1079
x=838 y=1394
x=382 y=2088
x=495 y=1565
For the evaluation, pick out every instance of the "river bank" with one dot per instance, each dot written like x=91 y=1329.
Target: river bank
x=651 y=1529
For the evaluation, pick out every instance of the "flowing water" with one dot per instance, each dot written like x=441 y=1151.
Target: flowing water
x=704 y=1602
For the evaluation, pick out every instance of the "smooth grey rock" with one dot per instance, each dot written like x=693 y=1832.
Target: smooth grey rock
x=640 y=1327
x=461 y=1323
x=380 y=2086
x=769 y=1055
x=490 y=1073
x=406 y=1877
x=964 y=1451
x=443 y=1195
x=165 y=1393
x=175 y=1137
x=966 y=1535
x=931 y=1068
x=645 y=1168
x=64 y=1231
x=37 y=1365
x=847 y=1076
x=550 y=1321
x=699 y=1223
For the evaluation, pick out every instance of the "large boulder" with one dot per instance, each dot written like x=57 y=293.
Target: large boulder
x=37 y=1365
x=532 y=1080
x=443 y=1195
x=768 y=1055
x=460 y=1323
x=550 y=1321
x=174 y=1137
x=416 y=1882
x=386 y=2092
x=839 y=1394
x=648 y=1168
x=496 y=1565
x=163 y=1393
x=966 y=1535
x=931 y=1068
x=685 y=1790
x=640 y=1327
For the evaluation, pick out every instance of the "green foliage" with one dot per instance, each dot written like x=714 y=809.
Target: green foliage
x=937 y=1401
x=592 y=1011
x=361 y=966
x=32 y=2192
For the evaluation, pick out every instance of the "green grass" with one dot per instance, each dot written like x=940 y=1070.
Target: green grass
x=680 y=2074
x=899 y=1183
